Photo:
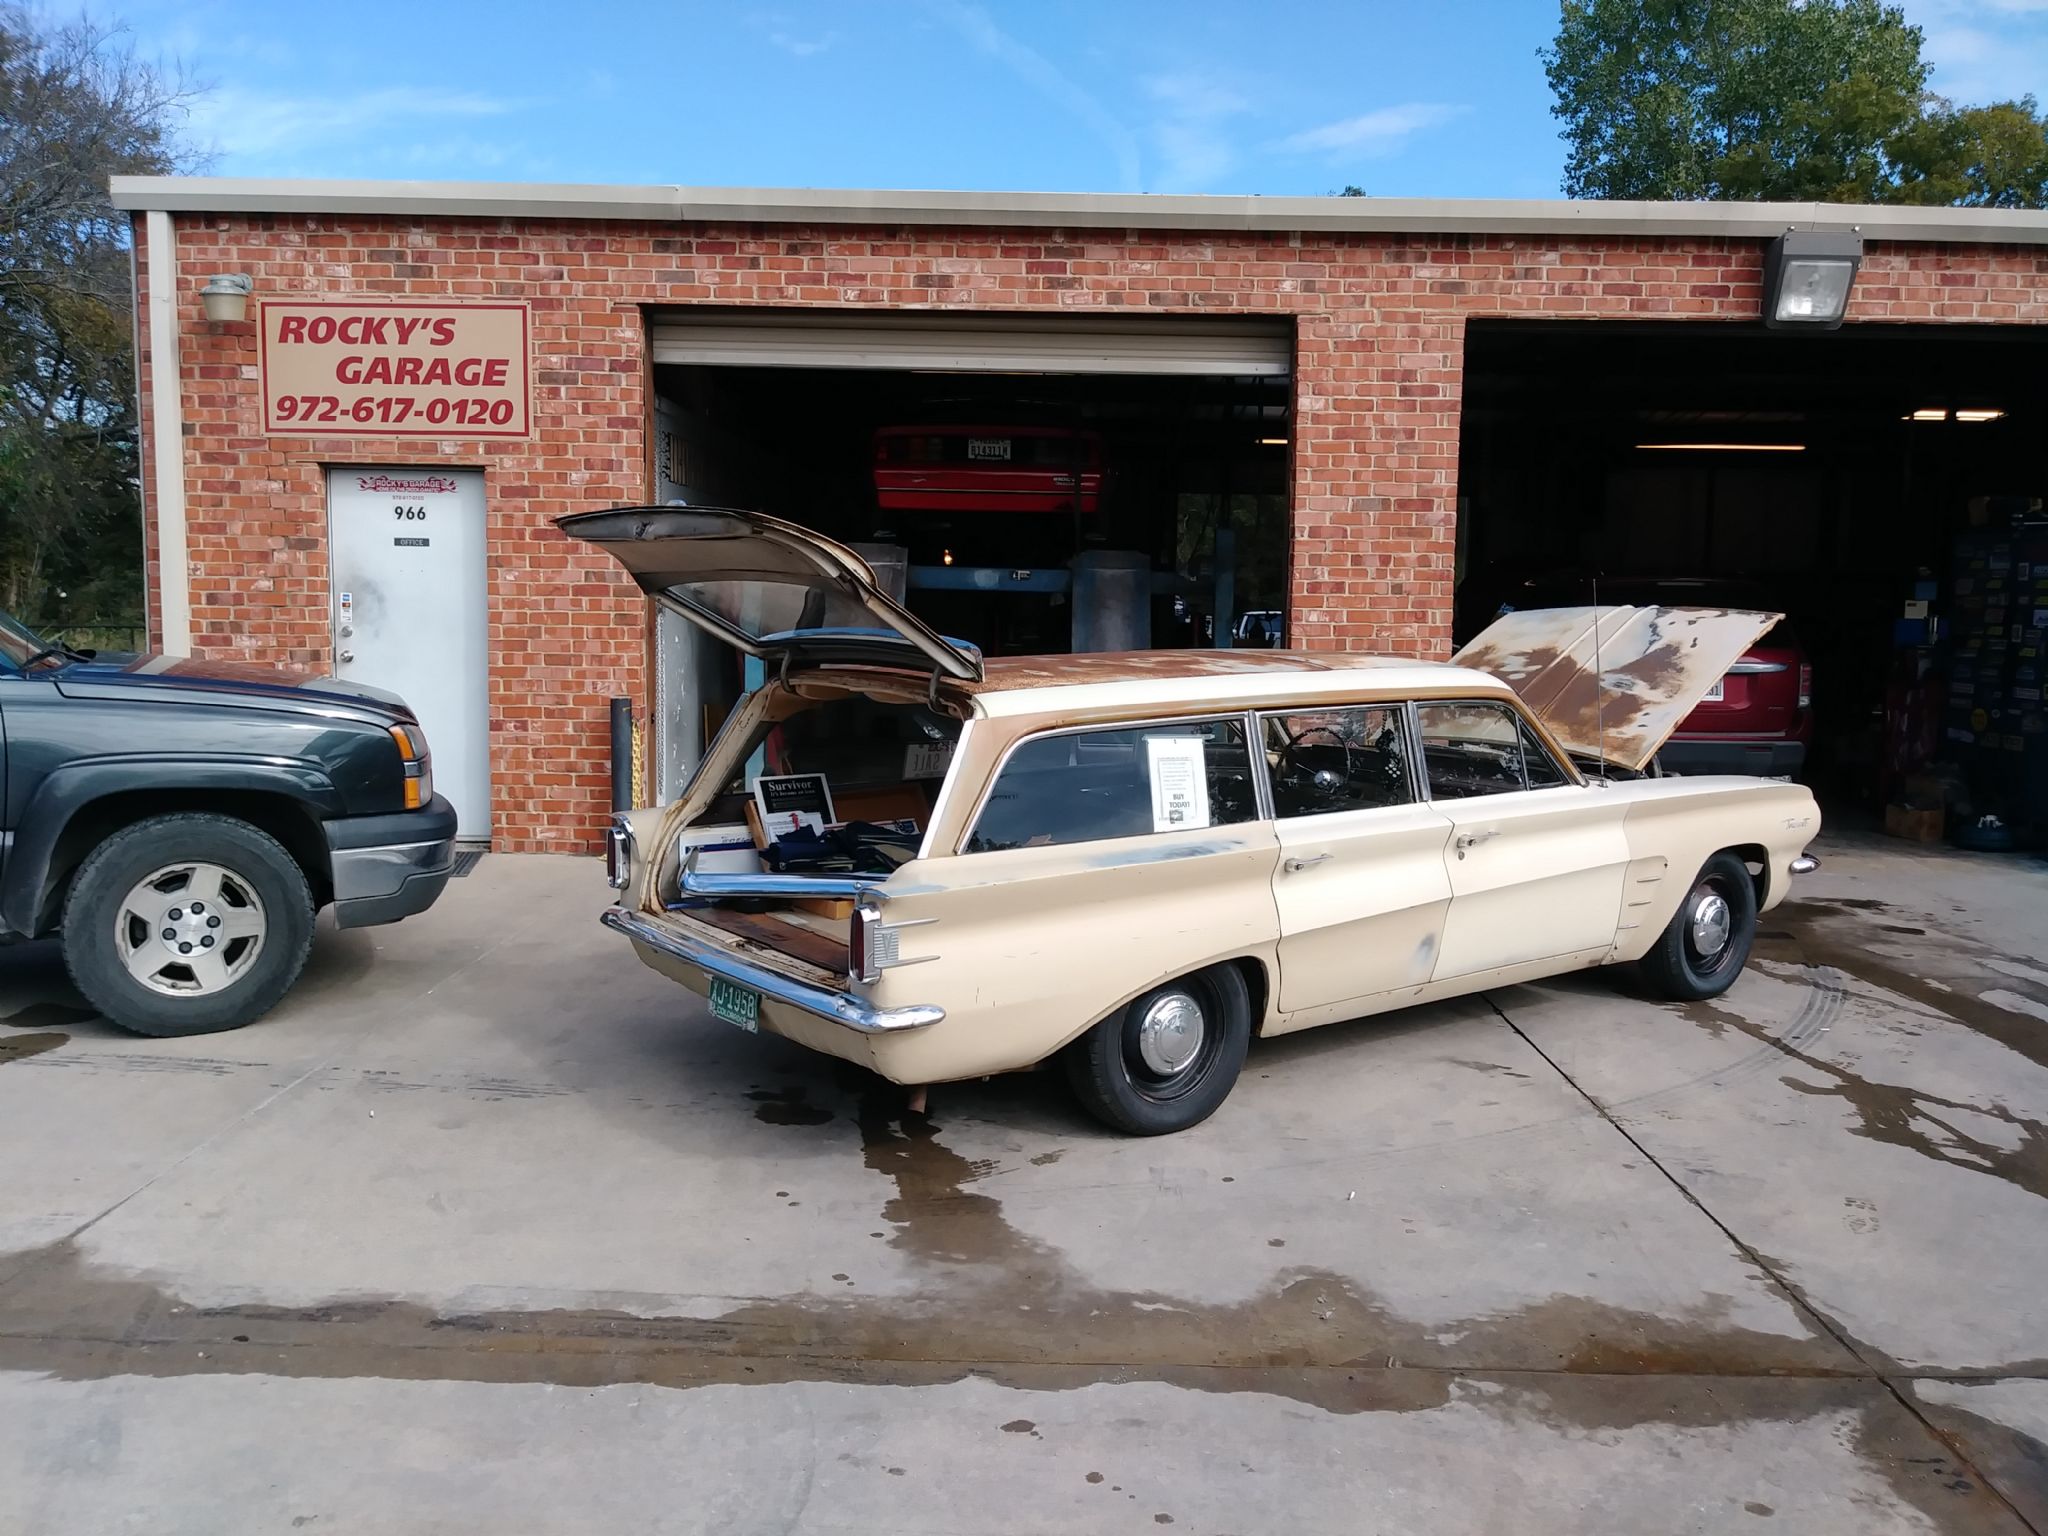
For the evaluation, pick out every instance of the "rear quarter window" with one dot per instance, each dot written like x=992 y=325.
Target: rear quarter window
x=1089 y=786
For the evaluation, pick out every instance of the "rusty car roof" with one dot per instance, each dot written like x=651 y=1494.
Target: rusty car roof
x=1022 y=685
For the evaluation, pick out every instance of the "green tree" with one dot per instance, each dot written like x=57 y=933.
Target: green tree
x=1776 y=100
x=76 y=106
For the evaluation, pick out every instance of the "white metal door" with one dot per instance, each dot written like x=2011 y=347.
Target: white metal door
x=409 y=612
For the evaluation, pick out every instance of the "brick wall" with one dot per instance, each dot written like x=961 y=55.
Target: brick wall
x=1380 y=346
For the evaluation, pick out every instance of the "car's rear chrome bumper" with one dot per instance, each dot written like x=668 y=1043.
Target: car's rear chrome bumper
x=845 y=1008
x=1805 y=864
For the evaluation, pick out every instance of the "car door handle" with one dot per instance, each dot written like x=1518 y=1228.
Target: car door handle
x=1296 y=866
x=1474 y=839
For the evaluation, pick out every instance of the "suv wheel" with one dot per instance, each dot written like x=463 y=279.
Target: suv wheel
x=187 y=924
x=1169 y=1059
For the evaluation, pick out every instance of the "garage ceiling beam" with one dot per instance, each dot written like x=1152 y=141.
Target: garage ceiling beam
x=1065 y=210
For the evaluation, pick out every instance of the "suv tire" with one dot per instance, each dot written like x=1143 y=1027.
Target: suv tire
x=1168 y=1060
x=215 y=889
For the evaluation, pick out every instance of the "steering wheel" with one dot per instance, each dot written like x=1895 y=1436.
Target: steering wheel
x=1323 y=782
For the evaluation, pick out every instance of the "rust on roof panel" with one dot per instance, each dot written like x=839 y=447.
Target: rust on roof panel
x=1004 y=673
x=1653 y=667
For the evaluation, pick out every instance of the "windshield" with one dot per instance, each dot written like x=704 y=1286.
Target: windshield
x=17 y=641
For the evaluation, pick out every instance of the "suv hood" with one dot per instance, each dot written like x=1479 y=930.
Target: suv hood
x=1613 y=683
x=773 y=589
x=226 y=682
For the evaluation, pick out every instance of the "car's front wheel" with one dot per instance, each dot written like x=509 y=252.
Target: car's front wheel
x=1704 y=947
x=187 y=924
x=1170 y=1058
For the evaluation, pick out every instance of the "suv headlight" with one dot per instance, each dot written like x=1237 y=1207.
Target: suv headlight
x=418 y=764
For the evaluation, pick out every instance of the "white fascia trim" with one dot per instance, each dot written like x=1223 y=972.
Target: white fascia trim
x=167 y=438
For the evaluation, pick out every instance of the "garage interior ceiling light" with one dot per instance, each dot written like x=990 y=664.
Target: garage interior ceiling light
x=1722 y=447
x=1980 y=415
x=1272 y=442
x=1928 y=413
x=1807 y=275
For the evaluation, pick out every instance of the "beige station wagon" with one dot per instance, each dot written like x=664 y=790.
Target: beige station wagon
x=1137 y=863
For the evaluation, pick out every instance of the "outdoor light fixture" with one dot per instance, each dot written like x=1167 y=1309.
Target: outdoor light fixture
x=1807 y=274
x=226 y=297
x=1721 y=447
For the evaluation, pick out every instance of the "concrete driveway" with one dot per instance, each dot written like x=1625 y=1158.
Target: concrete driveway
x=491 y=1229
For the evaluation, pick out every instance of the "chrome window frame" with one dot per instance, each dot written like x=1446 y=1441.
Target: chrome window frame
x=1261 y=793
x=1411 y=743
x=1571 y=778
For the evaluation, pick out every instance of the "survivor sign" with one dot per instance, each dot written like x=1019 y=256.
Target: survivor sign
x=395 y=370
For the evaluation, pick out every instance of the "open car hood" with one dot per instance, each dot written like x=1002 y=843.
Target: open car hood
x=771 y=588
x=1654 y=666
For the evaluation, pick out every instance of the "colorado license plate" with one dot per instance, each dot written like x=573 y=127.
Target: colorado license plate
x=736 y=1005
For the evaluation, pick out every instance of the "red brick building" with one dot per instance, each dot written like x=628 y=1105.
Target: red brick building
x=1563 y=375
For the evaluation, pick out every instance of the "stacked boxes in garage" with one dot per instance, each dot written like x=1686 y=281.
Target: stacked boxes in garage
x=1995 y=725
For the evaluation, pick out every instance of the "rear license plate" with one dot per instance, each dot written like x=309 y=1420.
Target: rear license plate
x=988 y=448
x=1718 y=692
x=736 y=1005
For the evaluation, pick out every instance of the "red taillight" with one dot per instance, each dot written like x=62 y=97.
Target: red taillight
x=1805 y=685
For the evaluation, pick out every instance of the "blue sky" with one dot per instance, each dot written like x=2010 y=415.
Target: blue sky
x=1402 y=97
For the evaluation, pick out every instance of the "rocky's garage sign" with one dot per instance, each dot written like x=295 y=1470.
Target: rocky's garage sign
x=395 y=370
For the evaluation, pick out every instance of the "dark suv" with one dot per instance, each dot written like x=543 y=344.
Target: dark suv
x=177 y=824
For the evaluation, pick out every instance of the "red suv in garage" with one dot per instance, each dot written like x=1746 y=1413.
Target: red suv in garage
x=1758 y=719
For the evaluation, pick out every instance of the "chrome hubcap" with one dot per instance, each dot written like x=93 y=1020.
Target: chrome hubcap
x=1170 y=1033
x=1712 y=921
x=190 y=930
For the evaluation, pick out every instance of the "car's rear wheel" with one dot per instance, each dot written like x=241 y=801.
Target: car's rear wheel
x=187 y=924
x=1704 y=947
x=1170 y=1058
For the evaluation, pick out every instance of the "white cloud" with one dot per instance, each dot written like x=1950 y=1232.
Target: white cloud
x=1984 y=50
x=802 y=47
x=1378 y=132
x=264 y=126
x=1048 y=79
x=1195 y=150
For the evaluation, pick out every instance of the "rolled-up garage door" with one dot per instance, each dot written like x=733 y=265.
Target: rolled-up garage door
x=974 y=343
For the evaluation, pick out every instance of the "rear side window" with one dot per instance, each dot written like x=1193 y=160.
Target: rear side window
x=1482 y=749
x=1086 y=786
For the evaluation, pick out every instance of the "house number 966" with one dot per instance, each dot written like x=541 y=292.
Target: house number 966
x=410 y=514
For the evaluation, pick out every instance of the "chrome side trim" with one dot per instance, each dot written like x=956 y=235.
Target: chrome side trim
x=1752 y=668
x=845 y=1008
x=696 y=884
x=1805 y=864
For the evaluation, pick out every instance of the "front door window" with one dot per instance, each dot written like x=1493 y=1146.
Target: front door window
x=1475 y=748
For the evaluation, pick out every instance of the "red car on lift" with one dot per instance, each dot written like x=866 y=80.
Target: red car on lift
x=1758 y=719
x=976 y=468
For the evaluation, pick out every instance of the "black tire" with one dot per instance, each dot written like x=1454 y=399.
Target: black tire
x=261 y=877
x=1115 y=1082
x=1679 y=966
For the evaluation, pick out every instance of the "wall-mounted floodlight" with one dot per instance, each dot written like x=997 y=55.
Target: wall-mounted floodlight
x=1807 y=274
x=226 y=297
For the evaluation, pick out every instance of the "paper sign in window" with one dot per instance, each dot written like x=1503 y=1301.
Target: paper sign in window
x=1180 y=782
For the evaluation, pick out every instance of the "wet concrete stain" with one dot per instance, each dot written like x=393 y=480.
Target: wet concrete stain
x=1901 y=1116
x=1000 y=1304
x=1492 y=1067
x=48 y=1016
x=2014 y=1461
x=788 y=1106
x=1047 y=1159
x=1022 y=1427
x=1820 y=936
x=21 y=1047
